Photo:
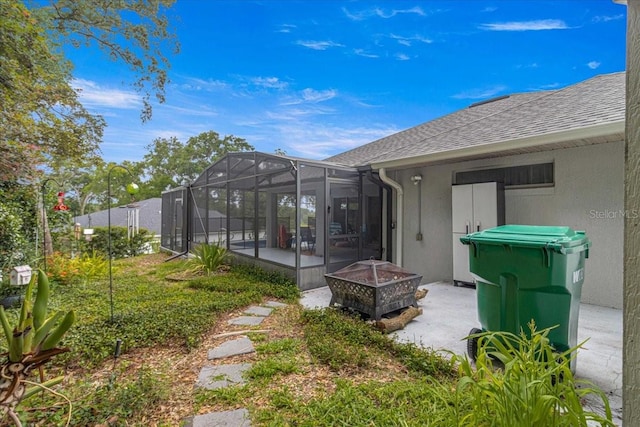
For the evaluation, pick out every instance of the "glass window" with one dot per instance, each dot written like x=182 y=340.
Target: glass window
x=538 y=175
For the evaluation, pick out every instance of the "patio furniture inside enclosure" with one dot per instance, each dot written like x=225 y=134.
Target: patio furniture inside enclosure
x=292 y=213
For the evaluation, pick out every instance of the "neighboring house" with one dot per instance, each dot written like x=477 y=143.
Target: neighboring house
x=148 y=216
x=577 y=132
x=559 y=154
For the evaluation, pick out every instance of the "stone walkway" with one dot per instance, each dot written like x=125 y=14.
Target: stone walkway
x=212 y=377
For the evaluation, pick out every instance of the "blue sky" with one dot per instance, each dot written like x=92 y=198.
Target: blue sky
x=315 y=78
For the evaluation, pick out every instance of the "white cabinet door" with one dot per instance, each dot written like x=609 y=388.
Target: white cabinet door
x=461 y=271
x=462 y=208
x=485 y=206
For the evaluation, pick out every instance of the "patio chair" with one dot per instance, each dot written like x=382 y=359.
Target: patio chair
x=307 y=236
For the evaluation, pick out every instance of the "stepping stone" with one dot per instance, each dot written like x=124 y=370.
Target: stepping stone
x=275 y=304
x=235 y=347
x=246 y=320
x=258 y=311
x=214 y=377
x=236 y=418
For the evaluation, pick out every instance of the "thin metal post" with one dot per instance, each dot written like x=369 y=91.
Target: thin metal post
x=109 y=232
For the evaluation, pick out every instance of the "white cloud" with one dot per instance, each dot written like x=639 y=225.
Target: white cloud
x=402 y=57
x=197 y=84
x=362 y=52
x=269 y=82
x=381 y=13
x=286 y=28
x=311 y=95
x=489 y=9
x=537 y=25
x=318 y=45
x=549 y=86
x=317 y=141
x=92 y=94
x=482 y=93
x=408 y=41
x=605 y=18
x=196 y=110
x=531 y=65
x=593 y=64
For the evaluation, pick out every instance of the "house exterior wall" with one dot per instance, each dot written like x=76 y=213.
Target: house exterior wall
x=631 y=335
x=587 y=195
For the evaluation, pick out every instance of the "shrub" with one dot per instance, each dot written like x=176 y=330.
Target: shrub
x=18 y=222
x=121 y=245
x=522 y=381
x=66 y=270
x=62 y=269
x=208 y=258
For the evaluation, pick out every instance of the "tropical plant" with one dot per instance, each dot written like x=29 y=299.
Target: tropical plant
x=32 y=342
x=520 y=380
x=61 y=268
x=208 y=258
x=66 y=270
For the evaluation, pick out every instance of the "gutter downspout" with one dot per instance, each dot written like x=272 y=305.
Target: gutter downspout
x=399 y=211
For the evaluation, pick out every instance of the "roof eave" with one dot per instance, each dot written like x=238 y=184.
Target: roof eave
x=595 y=131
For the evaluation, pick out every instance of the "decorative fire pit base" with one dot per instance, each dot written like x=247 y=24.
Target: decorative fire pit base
x=372 y=287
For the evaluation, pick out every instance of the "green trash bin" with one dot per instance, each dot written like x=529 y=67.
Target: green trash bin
x=526 y=272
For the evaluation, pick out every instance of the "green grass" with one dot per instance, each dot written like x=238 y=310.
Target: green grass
x=342 y=341
x=401 y=403
x=149 y=311
x=320 y=368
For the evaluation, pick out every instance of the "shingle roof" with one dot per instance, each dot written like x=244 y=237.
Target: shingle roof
x=149 y=216
x=596 y=101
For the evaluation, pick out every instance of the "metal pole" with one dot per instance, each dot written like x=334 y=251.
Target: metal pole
x=109 y=240
x=109 y=232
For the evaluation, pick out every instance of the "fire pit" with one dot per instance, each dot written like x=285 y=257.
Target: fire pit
x=373 y=287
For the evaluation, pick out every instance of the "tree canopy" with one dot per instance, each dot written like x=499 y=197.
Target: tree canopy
x=40 y=113
x=170 y=162
x=41 y=116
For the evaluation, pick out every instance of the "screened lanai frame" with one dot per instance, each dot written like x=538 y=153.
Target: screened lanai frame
x=302 y=217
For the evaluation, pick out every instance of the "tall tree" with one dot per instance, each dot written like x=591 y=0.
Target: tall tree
x=170 y=162
x=134 y=32
x=41 y=115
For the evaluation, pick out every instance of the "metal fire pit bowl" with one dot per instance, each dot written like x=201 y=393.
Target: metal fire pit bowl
x=373 y=287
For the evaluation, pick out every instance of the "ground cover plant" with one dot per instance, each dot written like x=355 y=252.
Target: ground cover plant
x=311 y=367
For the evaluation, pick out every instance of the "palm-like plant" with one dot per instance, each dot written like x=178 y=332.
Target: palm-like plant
x=31 y=343
x=208 y=258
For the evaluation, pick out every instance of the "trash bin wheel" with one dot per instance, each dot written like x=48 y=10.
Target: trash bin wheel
x=472 y=344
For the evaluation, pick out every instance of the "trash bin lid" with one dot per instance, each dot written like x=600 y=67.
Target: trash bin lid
x=563 y=240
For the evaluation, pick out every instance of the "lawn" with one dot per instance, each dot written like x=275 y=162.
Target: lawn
x=312 y=367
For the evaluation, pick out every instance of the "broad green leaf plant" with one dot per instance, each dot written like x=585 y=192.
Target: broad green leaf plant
x=208 y=258
x=521 y=381
x=32 y=342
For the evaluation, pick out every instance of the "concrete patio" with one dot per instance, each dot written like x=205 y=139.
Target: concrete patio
x=450 y=312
